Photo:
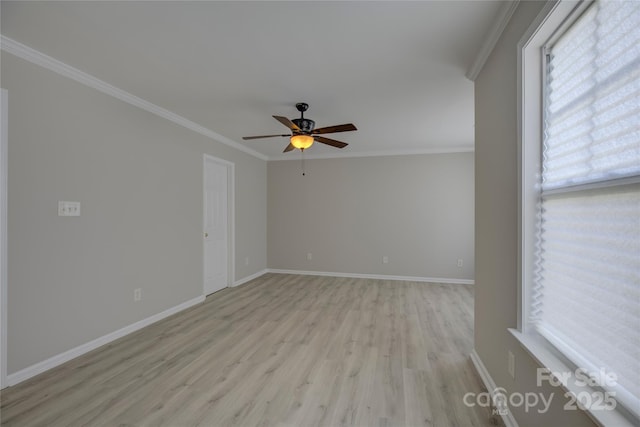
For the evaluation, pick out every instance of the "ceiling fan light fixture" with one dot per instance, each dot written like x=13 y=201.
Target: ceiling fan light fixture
x=302 y=142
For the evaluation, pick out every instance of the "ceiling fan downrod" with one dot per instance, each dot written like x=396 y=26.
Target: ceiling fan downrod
x=302 y=107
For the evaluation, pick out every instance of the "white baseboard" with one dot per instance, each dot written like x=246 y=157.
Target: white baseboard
x=374 y=276
x=508 y=419
x=249 y=278
x=61 y=358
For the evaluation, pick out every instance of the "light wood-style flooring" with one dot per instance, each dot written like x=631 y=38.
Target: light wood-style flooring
x=281 y=350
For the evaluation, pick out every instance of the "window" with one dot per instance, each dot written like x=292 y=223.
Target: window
x=580 y=189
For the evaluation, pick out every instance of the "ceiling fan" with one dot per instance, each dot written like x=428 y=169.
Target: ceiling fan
x=303 y=133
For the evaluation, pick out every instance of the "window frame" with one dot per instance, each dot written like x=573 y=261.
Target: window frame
x=552 y=21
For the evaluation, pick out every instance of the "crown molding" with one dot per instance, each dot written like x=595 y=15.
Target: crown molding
x=504 y=15
x=382 y=153
x=38 y=58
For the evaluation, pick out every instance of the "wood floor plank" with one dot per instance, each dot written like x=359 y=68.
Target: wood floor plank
x=281 y=350
x=417 y=404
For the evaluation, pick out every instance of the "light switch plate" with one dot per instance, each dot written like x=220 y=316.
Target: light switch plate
x=68 y=208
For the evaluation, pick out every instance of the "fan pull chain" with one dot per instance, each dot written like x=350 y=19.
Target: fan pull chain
x=303 y=172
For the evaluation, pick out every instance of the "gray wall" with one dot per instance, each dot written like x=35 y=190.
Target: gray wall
x=139 y=179
x=496 y=228
x=350 y=212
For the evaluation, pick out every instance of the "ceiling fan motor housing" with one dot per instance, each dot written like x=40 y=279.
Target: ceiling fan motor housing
x=305 y=125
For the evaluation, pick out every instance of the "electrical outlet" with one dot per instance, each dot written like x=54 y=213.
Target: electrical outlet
x=459 y=262
x=309 y=256
x=385 y=259
x=511 y=365
x=137 y=294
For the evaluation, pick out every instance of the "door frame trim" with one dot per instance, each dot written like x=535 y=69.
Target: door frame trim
x=231 y=233
x=4 y=137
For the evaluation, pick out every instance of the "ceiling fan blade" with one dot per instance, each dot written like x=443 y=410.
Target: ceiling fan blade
x=262 y=136
x=289 y=148
x=331 y=142
x=288 y=123
x=333 y=129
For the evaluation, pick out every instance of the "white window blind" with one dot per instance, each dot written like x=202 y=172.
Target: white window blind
x=586 y=293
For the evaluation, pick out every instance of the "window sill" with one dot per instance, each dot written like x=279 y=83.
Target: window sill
x=541 y=353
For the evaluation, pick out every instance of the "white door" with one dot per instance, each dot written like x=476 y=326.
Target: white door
x=216 y=246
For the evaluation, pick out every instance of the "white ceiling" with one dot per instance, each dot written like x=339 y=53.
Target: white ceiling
x=394 y=69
